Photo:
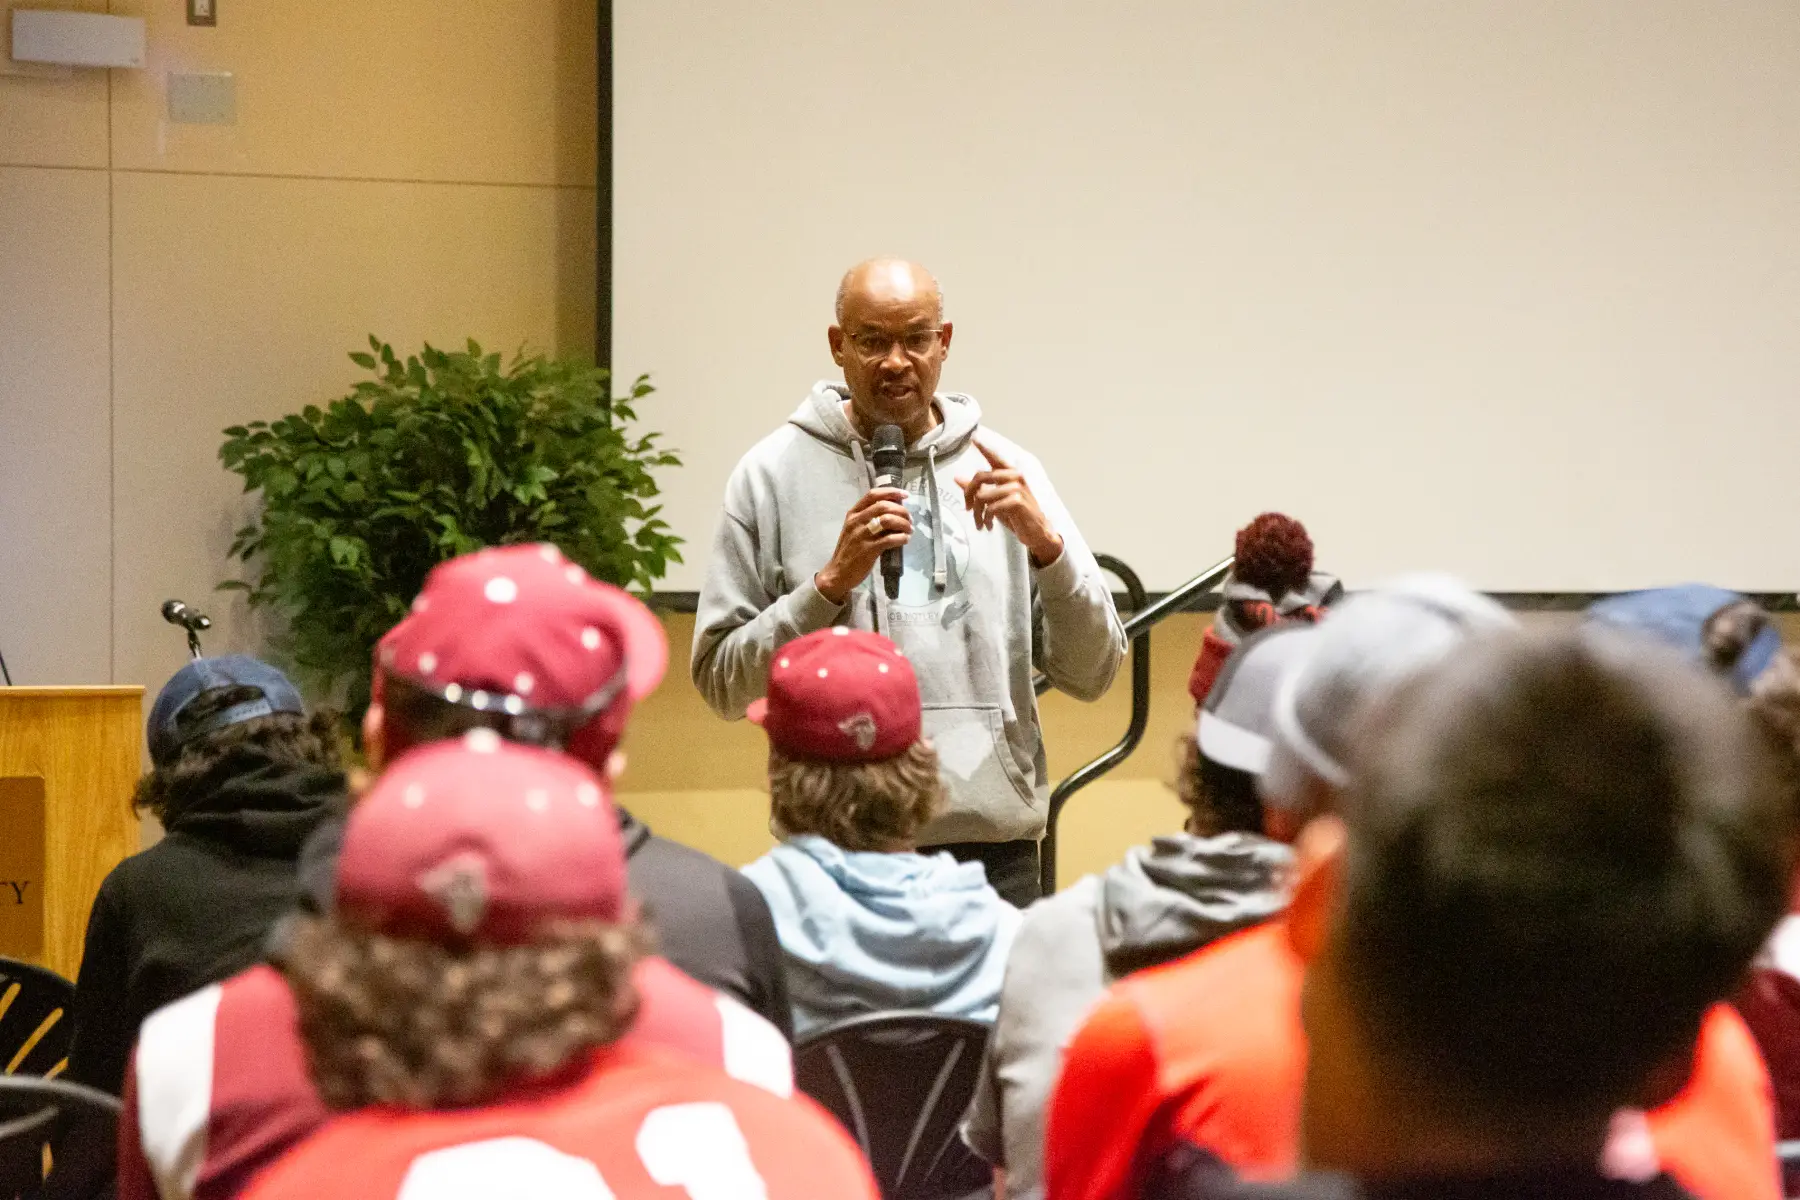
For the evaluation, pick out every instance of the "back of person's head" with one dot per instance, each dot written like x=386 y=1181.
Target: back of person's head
x=218 y=719
x=1725 y=630
x=1369 y=644
x=1228 y=750
x=481 y=937
x=1560 y=853
x=520 y=640
x=847 y=756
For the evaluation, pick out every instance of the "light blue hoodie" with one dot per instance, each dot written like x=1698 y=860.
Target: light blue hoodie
x=866 y=931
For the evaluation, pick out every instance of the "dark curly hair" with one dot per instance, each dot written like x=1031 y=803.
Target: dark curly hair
x=1275 y=554
x=417 y=1024
x=210 y=759
x=858 y=806
x=1219 y=799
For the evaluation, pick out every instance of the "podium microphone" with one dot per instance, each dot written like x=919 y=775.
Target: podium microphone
x=887 y=452
x=177 y=613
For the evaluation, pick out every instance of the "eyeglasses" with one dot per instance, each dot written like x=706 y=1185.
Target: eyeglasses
x=876 y=346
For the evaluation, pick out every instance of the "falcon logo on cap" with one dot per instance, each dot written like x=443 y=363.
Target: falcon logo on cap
x=861 y=729
x=460 y=885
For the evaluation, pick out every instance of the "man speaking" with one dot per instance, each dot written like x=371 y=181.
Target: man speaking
x=981 y=545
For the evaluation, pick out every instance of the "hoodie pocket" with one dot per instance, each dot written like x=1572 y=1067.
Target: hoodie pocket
x=976 y=760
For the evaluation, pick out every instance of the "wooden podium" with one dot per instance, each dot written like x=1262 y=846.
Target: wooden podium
x=69 y=759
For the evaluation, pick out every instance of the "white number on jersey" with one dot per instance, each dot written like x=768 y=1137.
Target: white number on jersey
x=696 y=1147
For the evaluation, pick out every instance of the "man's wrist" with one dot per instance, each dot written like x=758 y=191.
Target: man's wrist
x=1046 y=551
x=827 y=587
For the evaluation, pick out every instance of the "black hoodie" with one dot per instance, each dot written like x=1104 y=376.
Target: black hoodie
x=196 y=907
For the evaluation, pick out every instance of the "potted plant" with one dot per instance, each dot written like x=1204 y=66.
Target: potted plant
x=435 y=456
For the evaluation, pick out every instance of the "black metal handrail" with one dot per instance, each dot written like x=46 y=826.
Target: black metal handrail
x=1144 y=617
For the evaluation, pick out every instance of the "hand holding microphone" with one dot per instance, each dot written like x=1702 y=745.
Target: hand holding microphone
x=875 y=529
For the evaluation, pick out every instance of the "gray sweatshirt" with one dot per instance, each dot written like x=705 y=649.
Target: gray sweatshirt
x=963 y=618
x=1164 y=901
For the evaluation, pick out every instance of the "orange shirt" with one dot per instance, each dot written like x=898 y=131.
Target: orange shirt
x=1209 y=1049
x=643 y=1123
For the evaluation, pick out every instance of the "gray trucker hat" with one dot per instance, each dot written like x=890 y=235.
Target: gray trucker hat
x=1369 y=644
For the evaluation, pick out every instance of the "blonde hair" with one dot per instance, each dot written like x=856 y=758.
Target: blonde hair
x=858 y=806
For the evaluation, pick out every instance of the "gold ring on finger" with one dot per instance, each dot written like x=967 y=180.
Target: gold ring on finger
x=875 y=527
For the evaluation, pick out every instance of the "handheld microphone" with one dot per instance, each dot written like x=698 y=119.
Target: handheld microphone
x=887 y=451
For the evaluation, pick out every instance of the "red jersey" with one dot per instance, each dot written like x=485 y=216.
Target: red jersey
x=641 y=1123
x=1209 y=1049
x=217 y=1087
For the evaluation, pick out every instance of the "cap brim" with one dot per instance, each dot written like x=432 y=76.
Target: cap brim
x=759 y=708
x=646 y=646
x=1232 y=745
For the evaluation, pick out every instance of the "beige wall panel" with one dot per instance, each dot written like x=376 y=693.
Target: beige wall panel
x=55 y=466
x=731 y=824
x=489 y=91
x=50 y=122
x=250 y=312
x=676 y=743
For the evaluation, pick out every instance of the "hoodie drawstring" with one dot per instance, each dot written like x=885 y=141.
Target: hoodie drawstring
x=876 y=591
x=940 y=558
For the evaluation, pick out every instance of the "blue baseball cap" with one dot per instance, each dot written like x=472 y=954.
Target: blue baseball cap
x=164 y=733
x=1677 y=616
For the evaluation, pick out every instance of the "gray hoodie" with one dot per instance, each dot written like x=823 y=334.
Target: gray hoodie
x=964 y=616
x=1165 y=900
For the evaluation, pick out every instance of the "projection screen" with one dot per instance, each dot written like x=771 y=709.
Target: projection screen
x=1504 y=287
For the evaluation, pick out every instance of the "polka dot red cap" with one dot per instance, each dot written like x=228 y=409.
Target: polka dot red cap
x=526 y=621
x=481 y=840
x=842 y=695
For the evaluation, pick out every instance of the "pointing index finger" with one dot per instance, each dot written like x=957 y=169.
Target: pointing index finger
x=994 y=460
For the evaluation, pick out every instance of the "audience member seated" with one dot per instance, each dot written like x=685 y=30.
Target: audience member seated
x=867 y=924
x=1723 y=629
x=221 y=1074
x=1557 y=856
x=466 y=1005
x=1168 y=899
x=1272 y=580
x=240 y=777
x=1733 y=636
x=1770 y=1000
x=524 y=627
x=1213 y=1044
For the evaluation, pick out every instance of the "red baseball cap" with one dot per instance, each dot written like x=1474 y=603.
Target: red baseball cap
x=525 y=622
x=478 y=839
x=841 y=695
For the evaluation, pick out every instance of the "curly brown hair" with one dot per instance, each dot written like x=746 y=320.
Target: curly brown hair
x=1219 y=799
x=208 y=761
x=858 y=806
x=393 y=1021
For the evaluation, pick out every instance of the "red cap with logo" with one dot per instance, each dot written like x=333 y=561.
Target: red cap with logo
x=526 y=622
x=479 y=839
x=840 y=695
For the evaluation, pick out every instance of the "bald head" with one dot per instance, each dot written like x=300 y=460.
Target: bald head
x=890 y=338
x=879 y=282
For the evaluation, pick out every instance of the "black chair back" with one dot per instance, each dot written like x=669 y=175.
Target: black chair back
x=1787 y=1157
x=901 y=1083
x=35 y=1019
x=74 y=1128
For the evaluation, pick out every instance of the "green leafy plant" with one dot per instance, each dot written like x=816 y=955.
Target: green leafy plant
x=435 y=456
